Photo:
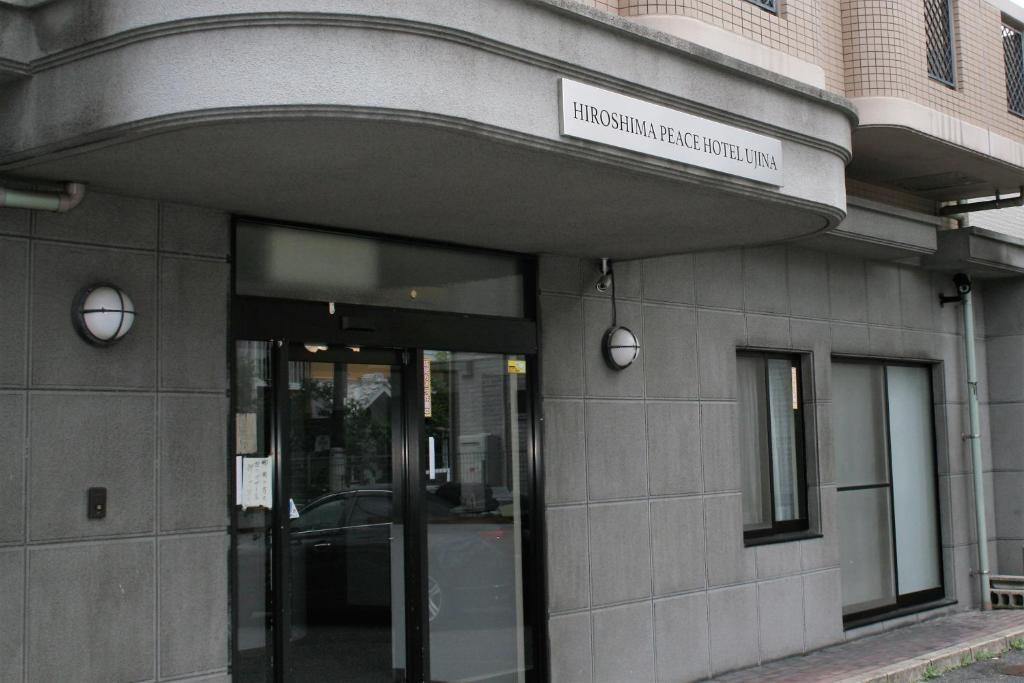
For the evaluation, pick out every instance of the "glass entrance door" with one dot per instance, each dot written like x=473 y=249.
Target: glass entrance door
x=477 y=428
x=386 y=502
x=342 y=472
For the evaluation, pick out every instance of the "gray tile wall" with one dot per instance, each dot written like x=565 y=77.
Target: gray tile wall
x=1004 y=326
x=642 y=477
x=142 y=594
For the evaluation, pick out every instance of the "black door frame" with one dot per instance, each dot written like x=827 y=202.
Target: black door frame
x=408 y=333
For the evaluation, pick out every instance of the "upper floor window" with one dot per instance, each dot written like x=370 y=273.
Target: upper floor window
x=1013 y=56
x=770 y=5
x=938 y=19
x=771 y=444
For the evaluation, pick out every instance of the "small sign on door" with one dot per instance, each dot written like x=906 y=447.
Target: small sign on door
x=254 y=487
x=427 y=409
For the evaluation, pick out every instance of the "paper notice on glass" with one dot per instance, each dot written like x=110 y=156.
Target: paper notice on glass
x=257 y=480
x=245 y=433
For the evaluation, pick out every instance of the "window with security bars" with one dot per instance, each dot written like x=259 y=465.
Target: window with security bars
x=938 y=16
x=1013 y=55
x=770 y=5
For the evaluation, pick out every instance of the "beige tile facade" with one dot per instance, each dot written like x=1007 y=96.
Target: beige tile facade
x=869 y=48
x=885 y=55
x=807 y=29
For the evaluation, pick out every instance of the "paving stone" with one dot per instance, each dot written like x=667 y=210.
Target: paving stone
x=896 y=654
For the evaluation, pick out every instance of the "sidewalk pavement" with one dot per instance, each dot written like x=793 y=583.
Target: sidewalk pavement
x=899 y=655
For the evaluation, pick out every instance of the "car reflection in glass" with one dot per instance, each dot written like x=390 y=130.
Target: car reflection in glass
x=346 y=542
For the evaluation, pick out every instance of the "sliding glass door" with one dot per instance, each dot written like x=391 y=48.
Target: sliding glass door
x=382 y=506
x=890 y=548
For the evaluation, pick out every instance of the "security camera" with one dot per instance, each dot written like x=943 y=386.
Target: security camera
x=962 y=282
x=604 y=283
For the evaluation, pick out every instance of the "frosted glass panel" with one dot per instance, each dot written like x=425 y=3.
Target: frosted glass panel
x=784 y=404
x=753 y=421
x=913 y=479
x=277 y=261
x=865 y=549
x=858 y=394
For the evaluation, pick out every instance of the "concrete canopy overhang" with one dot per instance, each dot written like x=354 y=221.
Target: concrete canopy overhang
x=918 y=149
x=981 y=253
x=881 y=232
x=436 y=120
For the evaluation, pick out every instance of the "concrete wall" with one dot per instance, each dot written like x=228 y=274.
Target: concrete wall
x=647 y=572
x=142 y=594
x=1004 y=325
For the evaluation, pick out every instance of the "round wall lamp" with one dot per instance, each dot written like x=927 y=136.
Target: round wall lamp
x=620 y=346
x=102 y=314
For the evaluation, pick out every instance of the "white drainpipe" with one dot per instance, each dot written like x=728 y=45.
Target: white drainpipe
x=963 y=296
x=43 y=201
x=975 y=440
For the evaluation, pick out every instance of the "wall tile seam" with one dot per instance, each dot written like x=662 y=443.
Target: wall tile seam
x=194 y=256
x=999 y=336
x=95 y=245
x=653 y=497
x=586 y=478
x=65 y=541
x=608 y=606
x=674 y=305
x=157 y=641
x=87 y=391
x=193 y=532
x=173 y=389
x=609 y=502
x=177 y=256
x=647 y=467
x=27 y=437
x=669 y=303
x=38 y=546
x=604 y=297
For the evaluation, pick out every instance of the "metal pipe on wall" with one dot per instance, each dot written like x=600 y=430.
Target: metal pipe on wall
x=43 y=201
x=974 y=438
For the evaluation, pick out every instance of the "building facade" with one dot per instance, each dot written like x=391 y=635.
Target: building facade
x=367 y=423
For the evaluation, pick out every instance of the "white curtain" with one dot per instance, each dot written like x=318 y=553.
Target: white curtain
x=782 y=404
x=753 y=442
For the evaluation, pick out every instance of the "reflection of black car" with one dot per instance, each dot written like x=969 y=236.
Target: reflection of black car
x=345 y=542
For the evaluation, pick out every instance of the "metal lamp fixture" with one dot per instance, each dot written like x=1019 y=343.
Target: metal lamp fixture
x=102 y=314
x=619 y=345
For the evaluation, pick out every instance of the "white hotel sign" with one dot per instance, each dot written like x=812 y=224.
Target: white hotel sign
x=603 y=116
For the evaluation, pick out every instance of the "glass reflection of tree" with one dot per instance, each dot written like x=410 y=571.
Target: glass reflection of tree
x=358 y=432
x=367 y=443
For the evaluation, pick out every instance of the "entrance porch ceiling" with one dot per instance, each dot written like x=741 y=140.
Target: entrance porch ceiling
x=434 y=182
x=930 y=167
x=436 y=120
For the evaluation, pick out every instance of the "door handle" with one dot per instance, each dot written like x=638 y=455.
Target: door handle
x=323 y=545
